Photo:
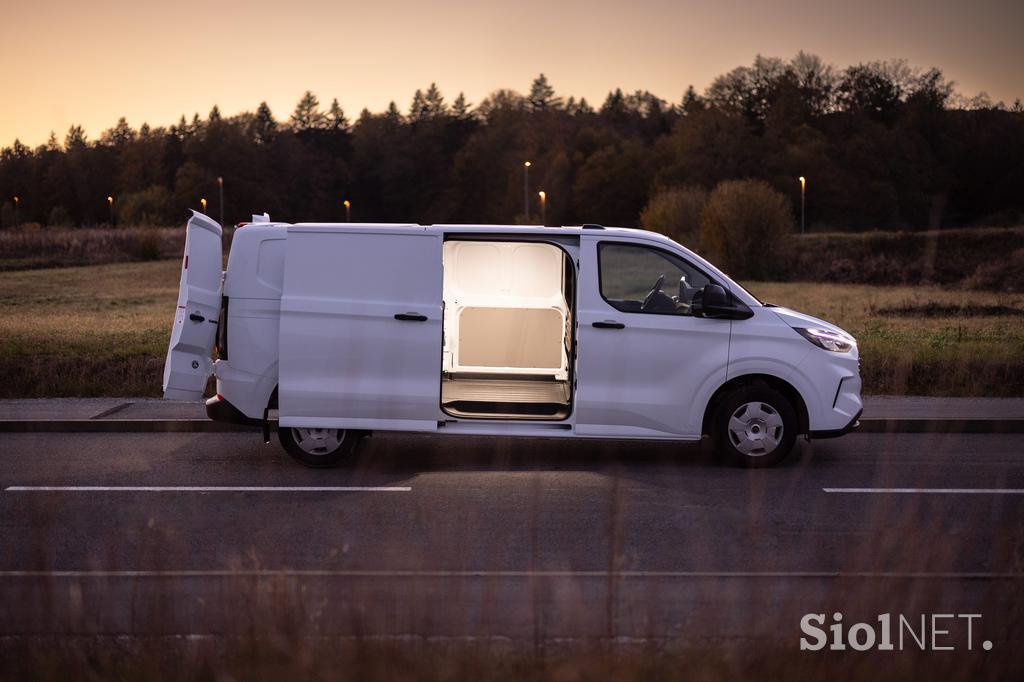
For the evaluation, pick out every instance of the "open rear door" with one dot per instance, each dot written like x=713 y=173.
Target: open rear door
x=188 y=364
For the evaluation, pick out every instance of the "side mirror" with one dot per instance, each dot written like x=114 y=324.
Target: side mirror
x=716 y=303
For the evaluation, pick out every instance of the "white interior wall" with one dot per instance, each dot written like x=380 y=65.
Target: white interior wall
x=504 y=275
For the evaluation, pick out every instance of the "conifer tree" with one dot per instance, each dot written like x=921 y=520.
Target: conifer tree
x=542 y=95
x=307 y=114
x=461 y=108
x=336 y=119
x=418 y=108
x=264 y=127
x=433 y=102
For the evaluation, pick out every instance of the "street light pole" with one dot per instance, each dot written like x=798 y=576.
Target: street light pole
x=220 y=187
x=526 y=189
x=17 y=200
x=110 y=202
x=543 y=207
x=348 y=211
x=803 y=191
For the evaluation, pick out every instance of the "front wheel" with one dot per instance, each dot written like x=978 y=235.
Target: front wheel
x=755 y=426
x=319 y=448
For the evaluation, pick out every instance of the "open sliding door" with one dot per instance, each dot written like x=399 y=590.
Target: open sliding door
x=360 y=339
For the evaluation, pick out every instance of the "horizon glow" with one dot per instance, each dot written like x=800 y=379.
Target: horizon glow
x=65 y=63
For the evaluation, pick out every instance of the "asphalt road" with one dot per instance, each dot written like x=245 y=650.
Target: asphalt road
x=513 y=539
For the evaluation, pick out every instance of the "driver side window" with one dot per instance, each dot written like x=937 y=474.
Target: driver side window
x=638 y=279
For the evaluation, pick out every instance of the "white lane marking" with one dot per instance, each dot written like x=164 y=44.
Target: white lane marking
x=205 y=489
x=939 y=491
x=355 y=573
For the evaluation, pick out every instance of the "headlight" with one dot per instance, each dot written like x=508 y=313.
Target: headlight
x=829 y=340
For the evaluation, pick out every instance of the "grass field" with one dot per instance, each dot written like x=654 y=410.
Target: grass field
x=921 y=340
x=86 y=331
x=102 y=330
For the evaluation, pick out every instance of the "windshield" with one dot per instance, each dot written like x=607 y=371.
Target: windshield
x=737 y=285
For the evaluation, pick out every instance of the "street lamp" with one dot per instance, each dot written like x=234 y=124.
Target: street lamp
x=543 y=207
x=220 y=187
x=526 y=189
x=17 y=200
x=803 y=191
x=110 y=203
x=203 y=202
x=348 y=210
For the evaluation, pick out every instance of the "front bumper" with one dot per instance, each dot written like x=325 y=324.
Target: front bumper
x=835 y=433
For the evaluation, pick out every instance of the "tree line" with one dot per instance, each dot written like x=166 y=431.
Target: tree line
x=881 y=145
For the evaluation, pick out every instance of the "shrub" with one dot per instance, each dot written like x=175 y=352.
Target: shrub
x=144 y=207
x=34 y=248
x=59 y=217
x=675 y=212
x=1003 y=274
x=978 y=258
x=744 y=227
x=145 y=244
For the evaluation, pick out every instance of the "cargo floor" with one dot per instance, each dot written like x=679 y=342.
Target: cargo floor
x=506 y=398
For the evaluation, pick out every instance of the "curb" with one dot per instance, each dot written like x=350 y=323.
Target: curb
x=941 y=426
x=120 y=426
x=207 y=426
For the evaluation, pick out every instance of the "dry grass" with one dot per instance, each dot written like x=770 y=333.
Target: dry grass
x=976 y=258
x=921 y=340
x=86 y=331
x=103 y=330
x=34 y=247
x=276 y=659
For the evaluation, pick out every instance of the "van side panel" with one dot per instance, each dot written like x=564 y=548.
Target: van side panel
x=253 y=283
x=248 y=378
x=346 y=360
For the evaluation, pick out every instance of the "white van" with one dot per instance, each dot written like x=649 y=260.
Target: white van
x=574 y=332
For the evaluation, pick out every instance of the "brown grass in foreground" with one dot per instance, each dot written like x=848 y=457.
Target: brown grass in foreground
x=276 y=659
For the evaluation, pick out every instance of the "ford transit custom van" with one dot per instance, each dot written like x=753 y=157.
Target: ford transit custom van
x=500 y=330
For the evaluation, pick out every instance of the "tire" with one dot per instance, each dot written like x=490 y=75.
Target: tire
x=754 y=426
x=320 y=448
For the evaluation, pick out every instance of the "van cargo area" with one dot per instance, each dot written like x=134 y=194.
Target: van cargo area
x=508 y=310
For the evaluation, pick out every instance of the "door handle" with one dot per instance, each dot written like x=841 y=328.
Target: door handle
x=410 y=317
x=609 y=324
x=196 y=317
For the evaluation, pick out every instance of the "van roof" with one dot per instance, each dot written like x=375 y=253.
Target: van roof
x=574 y=230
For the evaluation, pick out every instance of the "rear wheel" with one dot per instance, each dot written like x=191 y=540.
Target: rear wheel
x=319 y=447
x=754 y=426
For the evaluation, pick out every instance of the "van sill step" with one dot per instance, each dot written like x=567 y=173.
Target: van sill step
x=503 y=391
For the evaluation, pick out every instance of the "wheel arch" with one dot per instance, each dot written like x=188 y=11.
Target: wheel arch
x=781 y=385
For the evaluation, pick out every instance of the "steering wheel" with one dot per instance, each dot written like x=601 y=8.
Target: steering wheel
x=653 y=294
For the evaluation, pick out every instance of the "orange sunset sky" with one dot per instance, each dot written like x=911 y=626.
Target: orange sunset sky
x=64 y=62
